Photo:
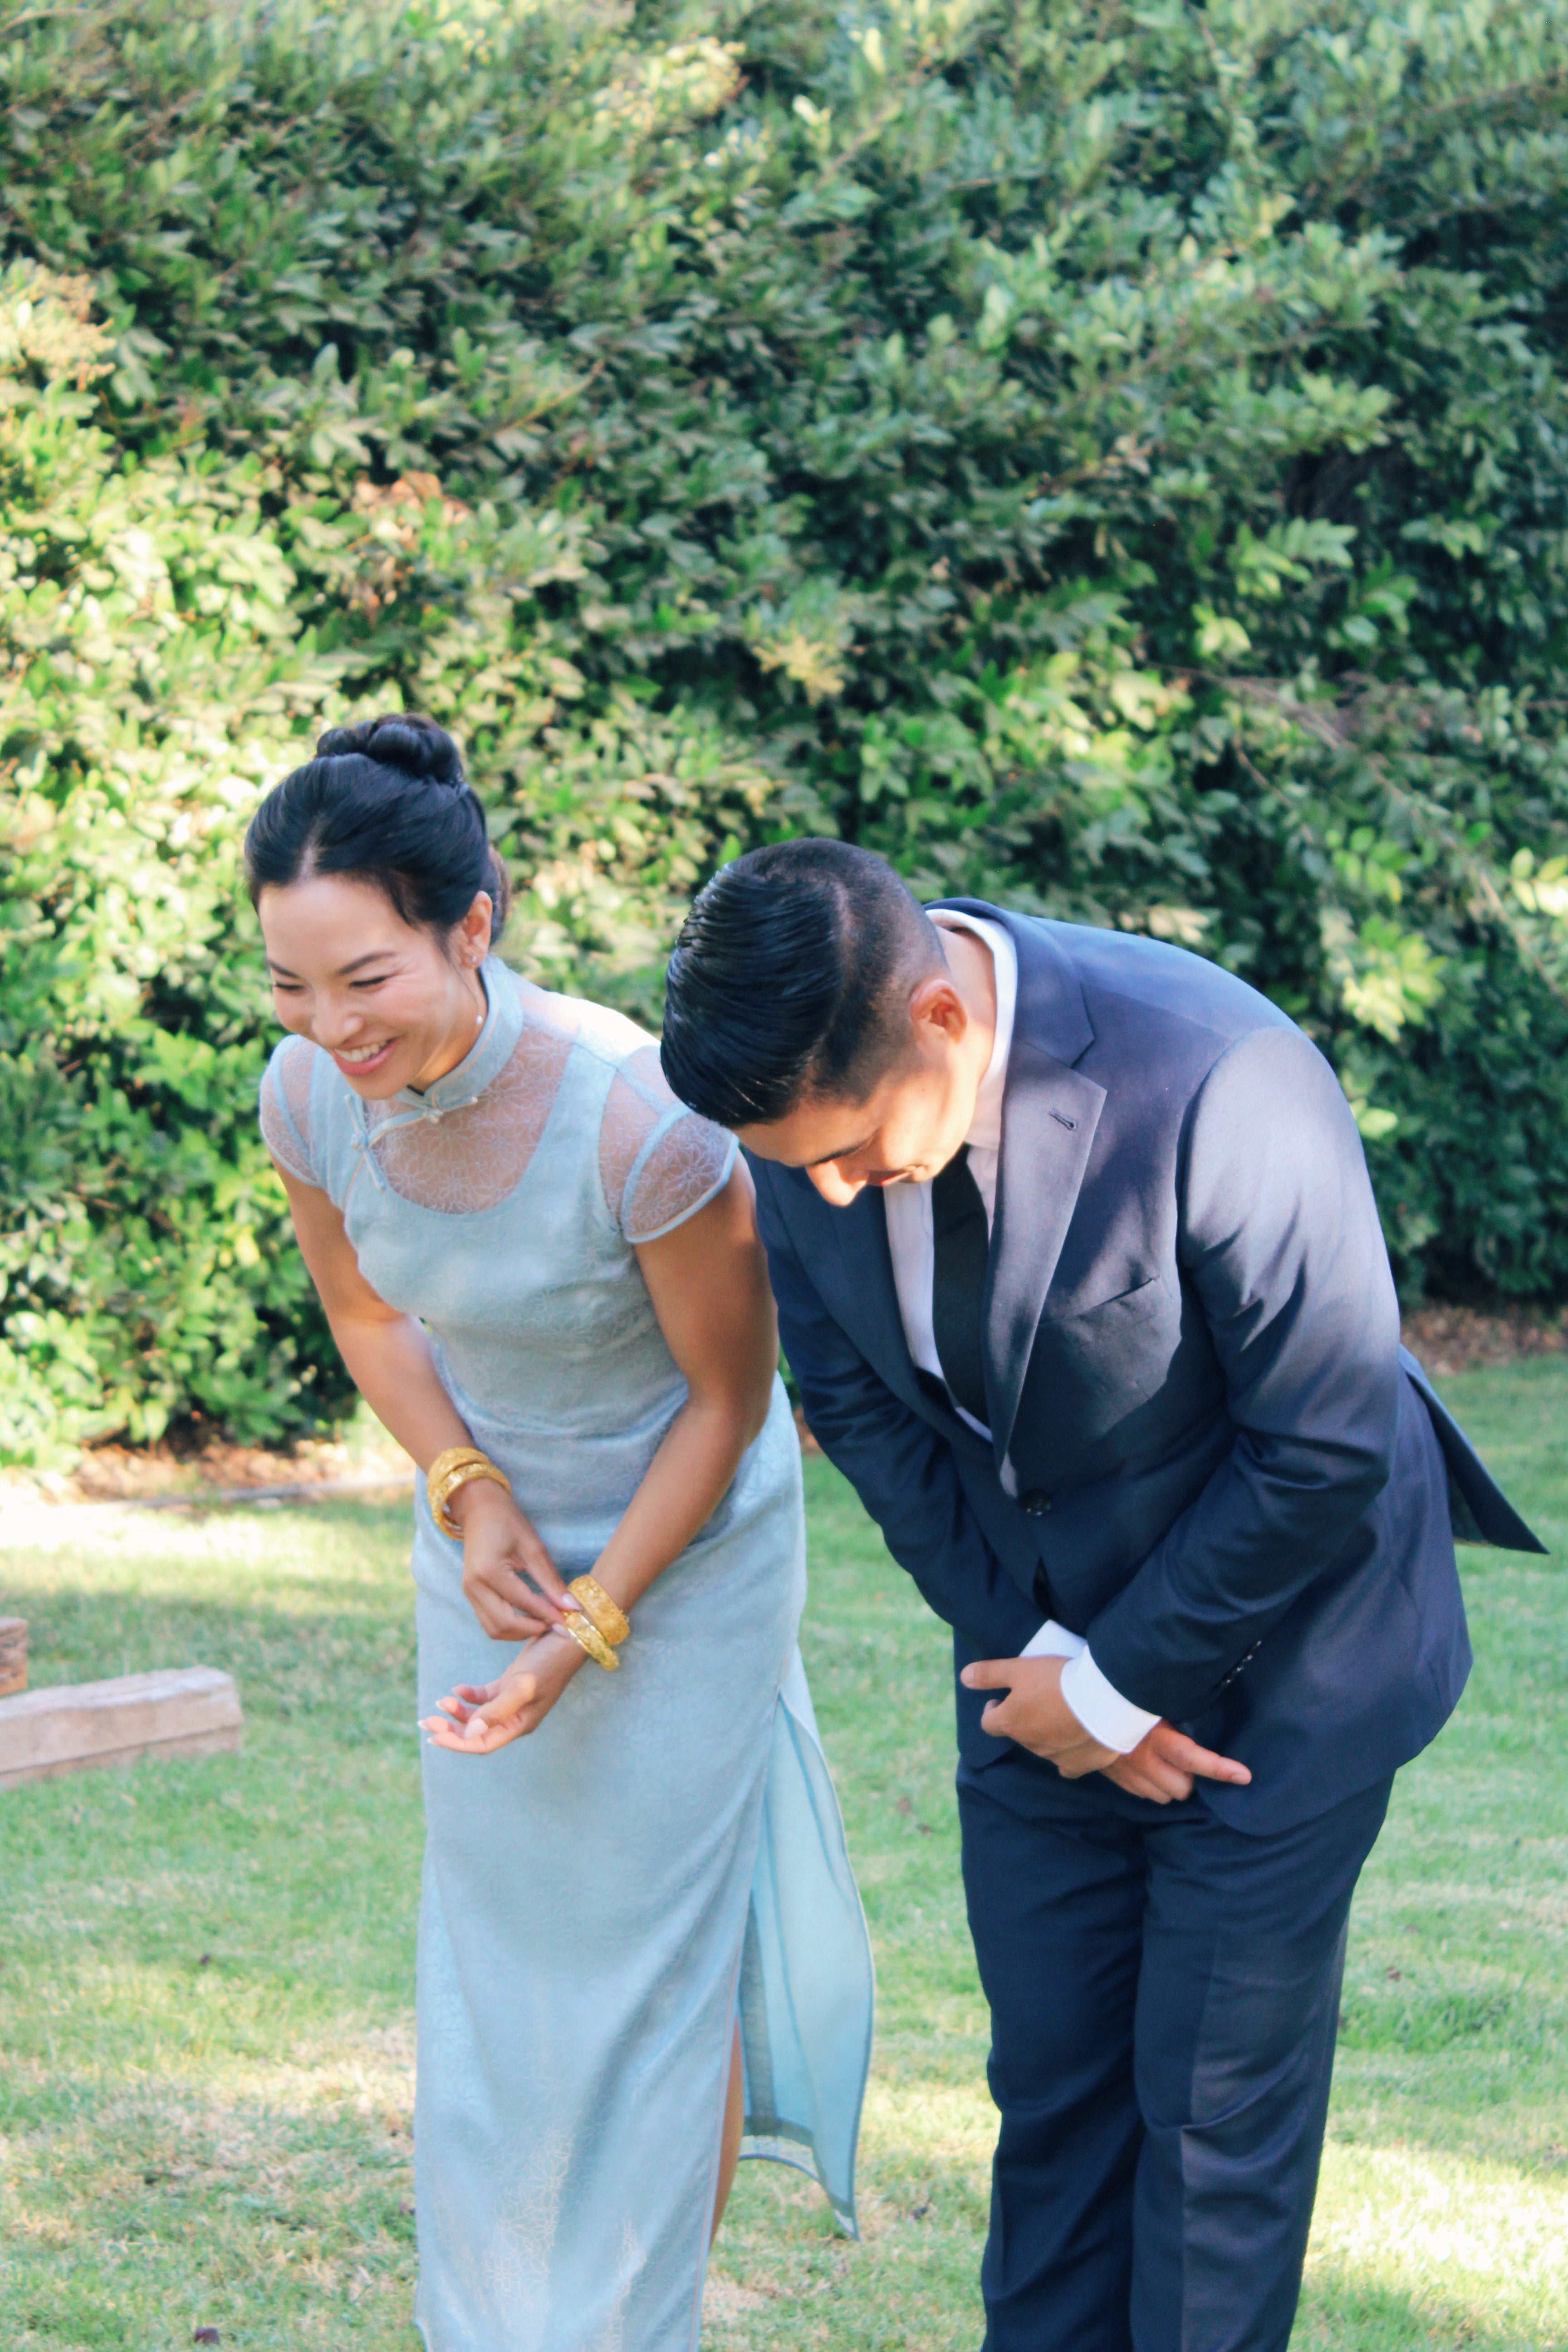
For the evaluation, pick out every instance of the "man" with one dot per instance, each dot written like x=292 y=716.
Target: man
x=1080 y=1272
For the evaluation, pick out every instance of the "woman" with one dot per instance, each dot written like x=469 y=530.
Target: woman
x=544 y=1276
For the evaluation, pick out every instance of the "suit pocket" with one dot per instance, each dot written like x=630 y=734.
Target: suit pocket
x=1138 y=1290
x=1099 y=1363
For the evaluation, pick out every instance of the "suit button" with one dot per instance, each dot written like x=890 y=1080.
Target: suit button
x=1037 y=1504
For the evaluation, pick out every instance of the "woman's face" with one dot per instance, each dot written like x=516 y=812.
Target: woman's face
x=393 y=1005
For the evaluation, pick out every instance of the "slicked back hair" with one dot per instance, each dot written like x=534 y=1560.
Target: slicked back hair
x=791 y=977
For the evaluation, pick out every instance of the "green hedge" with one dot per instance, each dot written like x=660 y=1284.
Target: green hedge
x=1113 y=458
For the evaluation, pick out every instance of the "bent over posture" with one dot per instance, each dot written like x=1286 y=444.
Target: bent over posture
x=544 y=1276
x=1080 y=1272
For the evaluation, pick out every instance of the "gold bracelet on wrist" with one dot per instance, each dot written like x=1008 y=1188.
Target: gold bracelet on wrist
x=441 y=1469
x=587 y=1636
x=452 y=1455
x=461 y=1474
x=606 y=1615
x=456 y=1468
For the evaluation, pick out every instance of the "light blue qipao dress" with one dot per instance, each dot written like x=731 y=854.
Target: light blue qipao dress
x=601 y=1899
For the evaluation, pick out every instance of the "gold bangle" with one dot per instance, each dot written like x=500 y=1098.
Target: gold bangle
x=588 y=1637
x=440 y=1471
x=607 y=1615
x=458 y=1475
x=449 y=1460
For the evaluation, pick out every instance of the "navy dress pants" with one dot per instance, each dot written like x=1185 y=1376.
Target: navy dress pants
x=1165 y=1997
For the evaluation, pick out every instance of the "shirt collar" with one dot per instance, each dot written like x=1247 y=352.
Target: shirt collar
x=986 y=1126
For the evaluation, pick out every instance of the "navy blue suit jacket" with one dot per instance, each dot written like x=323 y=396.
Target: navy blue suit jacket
x=1210 y=1455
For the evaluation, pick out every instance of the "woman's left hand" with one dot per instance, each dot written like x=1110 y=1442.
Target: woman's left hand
x=479 y=1717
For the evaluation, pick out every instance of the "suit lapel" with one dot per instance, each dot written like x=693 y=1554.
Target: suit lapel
x=1050 y=1113
x=1048 y=1118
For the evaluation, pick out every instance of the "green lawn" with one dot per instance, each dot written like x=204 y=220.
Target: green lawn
x=205 y=1969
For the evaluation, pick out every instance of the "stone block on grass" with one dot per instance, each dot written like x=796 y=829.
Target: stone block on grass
x=180 y=1711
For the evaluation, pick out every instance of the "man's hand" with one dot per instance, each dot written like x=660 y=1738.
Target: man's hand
x=1165 y=1763
x=1035 y=1714
x=1162 y=1768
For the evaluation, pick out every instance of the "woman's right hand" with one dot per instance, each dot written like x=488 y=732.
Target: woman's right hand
x=509 y=1581
x=1165 y=1763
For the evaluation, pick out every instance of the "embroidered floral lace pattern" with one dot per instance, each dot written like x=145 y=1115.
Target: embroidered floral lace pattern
x=286 y=1106
x=659 y=1162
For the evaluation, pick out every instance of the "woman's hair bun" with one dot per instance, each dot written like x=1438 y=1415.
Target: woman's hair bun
x=359 y=808
x=403 y=741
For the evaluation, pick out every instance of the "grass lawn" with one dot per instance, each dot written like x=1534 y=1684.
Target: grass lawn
x=205 y=1967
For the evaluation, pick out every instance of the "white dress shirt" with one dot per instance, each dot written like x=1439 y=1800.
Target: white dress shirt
x=1104 y=1714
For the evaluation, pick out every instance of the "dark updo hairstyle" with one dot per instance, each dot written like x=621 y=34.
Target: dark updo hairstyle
x=384 y=803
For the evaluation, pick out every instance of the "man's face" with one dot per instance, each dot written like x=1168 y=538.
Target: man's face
x=911 y=1124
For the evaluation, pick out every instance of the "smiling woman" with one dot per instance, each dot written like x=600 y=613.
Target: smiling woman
x=384 y=810
x=543 y=1272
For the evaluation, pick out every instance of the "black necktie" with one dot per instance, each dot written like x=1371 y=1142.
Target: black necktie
x=963 y=1238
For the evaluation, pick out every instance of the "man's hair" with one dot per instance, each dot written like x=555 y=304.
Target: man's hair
x=792 y=977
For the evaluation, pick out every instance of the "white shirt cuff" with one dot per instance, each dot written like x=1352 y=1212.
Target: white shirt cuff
x=1104 y=1714
x=1054 y=1641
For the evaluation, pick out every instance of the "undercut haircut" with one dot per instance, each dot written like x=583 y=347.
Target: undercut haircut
x=791 y=979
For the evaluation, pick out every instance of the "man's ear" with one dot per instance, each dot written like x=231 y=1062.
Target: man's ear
x=937 y=1004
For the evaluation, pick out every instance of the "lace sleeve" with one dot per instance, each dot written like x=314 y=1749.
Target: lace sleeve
x=658 y=1161
x=285 y=1108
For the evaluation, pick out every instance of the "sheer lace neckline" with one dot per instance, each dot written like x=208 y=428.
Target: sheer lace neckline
x=466 y=1144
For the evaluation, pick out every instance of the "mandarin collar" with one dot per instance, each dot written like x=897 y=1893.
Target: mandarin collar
x=485 y=1058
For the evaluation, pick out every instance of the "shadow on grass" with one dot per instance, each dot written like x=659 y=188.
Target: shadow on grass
x=188 y=1911
x=1341 y=2314
x=312 y=1639
x=1424 y=2023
